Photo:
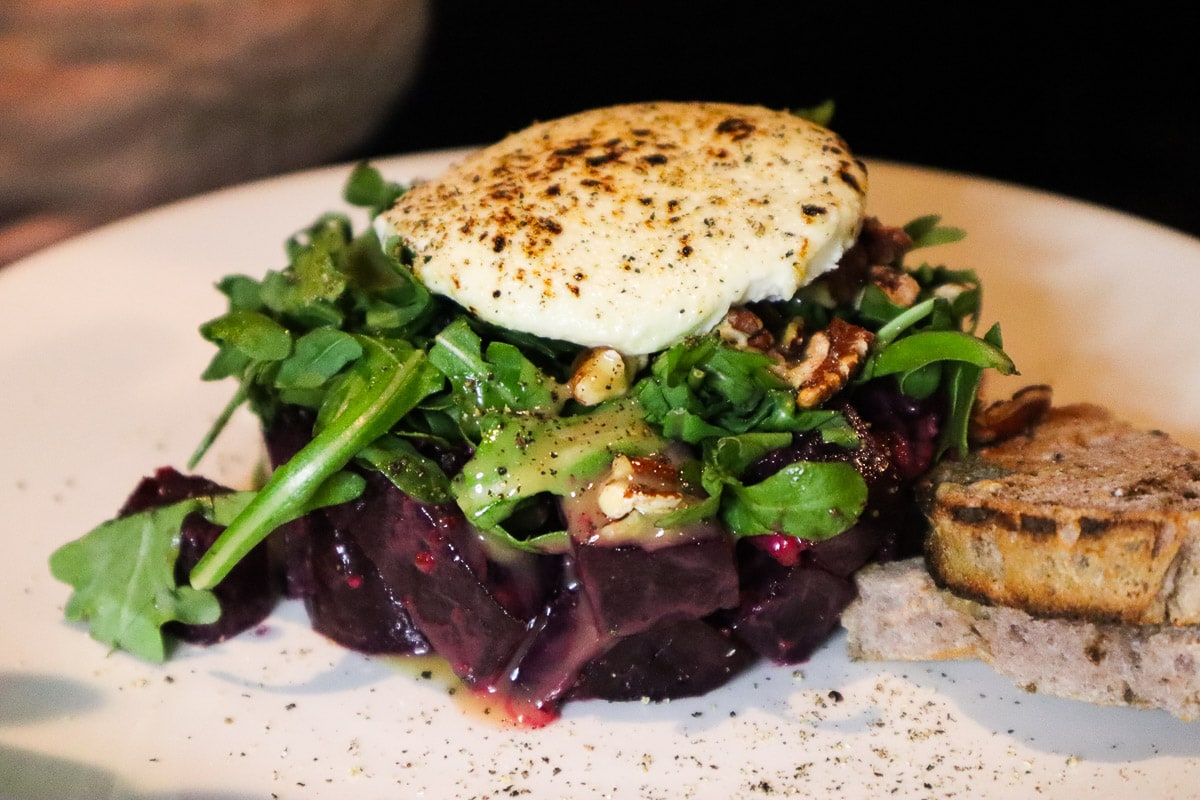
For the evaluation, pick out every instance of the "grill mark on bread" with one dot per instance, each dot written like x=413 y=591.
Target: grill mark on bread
x=982 y=515
x=1042 y=526
x=1080 y=517
x=1093 y=526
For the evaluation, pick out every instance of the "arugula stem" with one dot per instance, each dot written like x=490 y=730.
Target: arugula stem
x=222 y=420
x=902 y=322
x=394 y=386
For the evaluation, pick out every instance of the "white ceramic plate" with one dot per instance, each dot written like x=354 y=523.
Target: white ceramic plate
x=99 y=360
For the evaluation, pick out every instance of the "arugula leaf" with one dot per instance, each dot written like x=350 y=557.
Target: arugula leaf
x=703 y=389
x=523 y=455
x=366 y=187
x=388 y=381
x=412 y=473
x=927 y=232
x=962 y=387
x=906 y=356
x=809 y=500
x=123 y=576
x=319 y=355
x=254 y=335
x=821 y=114
x=123 y=571
x=500 y=379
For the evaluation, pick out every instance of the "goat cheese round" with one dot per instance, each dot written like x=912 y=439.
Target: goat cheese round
x=634 y=226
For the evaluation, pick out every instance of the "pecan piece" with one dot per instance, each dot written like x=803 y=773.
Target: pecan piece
x=900 y=287
x=743 y=329
x=829 y=359
x=1007 y=418
x=600 y=373
x=645 y=485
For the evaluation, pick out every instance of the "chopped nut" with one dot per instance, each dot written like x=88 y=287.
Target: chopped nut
x=950 y=291
x=600 y=374
x=791 y=343
x=900 y=287
x=645 y=485
x=743 y=329
x=1006 y=418
x=829 y=359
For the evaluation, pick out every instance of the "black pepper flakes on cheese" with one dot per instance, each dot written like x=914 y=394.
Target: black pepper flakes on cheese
x=578 y=194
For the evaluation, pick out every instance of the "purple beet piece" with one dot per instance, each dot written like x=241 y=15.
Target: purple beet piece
x=166 y=486
x=648 y=577
x=791 y=604
x=246 y=595
x=787 y=612
x=471 y=612
x=650 y=601
x=289 y=430
x=846 y=553
x=347 y=599
x=681 y=659
x=545 y=668
x=633 y=589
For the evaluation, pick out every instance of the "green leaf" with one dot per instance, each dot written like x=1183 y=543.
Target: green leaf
x=366 y=187
x=123 y=576
x=318 y=356
x=902 y=322
x=812 y=501
x=703 y=389
x=412 y=473
x=521 y=455
x=502 y=380
x=734 y=454
x=385 y=384
x=235 y=402
x=229 y=362
x=123 y=571
x=250 y=333
x=921 y=349
x=821 y=114
x=962 y=387
x=927 y=232
x=244 y=292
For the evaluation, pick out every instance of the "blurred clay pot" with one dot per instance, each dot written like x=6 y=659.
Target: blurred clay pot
x=110 y=106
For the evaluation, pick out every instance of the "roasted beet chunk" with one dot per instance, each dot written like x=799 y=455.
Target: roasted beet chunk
x=166 y=486
x=545 y=668
x=633 y=589
x=787 y=612
x=248 y=592
x=470 y=610
x=347 y=599
x=681 y=659
x=627 y=626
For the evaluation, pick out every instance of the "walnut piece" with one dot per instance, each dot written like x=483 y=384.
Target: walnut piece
x=743 y=329
x=899 y=287
x=827 y=362
x=601 y=373
x=1007 y=418
x=645 y=485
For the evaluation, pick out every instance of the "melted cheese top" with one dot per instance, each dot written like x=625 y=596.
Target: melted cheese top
x=634 y=226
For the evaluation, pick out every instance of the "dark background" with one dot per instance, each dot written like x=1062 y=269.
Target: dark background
x=1099 y=105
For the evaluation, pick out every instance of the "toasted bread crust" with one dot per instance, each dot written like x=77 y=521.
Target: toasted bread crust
x=1082 y=517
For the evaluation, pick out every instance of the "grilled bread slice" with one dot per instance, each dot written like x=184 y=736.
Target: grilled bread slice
x=1082 y=516
x=902 y=615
